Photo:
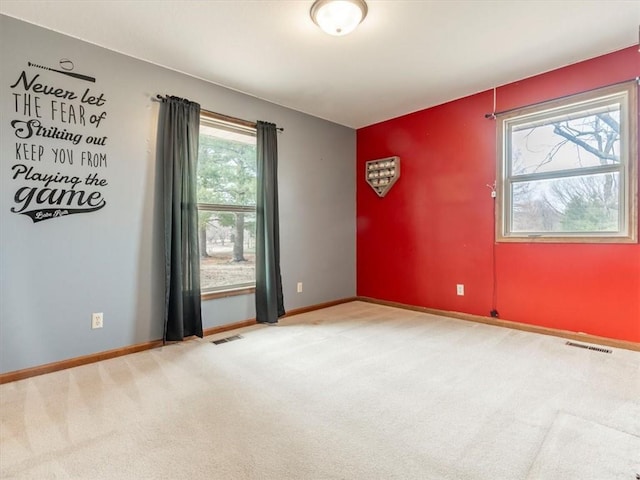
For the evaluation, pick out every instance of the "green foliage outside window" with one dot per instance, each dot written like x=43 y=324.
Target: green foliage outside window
x=227 y=197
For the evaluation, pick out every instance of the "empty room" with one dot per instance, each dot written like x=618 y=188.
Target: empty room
x=319 y=239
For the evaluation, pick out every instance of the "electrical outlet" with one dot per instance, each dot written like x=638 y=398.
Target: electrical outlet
x=460 y=289
x=299 y=288
x=97 y=320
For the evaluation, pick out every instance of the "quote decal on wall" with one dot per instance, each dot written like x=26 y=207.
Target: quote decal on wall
x=60 y=156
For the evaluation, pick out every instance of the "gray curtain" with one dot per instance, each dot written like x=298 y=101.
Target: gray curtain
x=269 y=299
x=178 y=129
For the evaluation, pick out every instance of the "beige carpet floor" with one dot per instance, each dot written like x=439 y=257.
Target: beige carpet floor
x=356 y=391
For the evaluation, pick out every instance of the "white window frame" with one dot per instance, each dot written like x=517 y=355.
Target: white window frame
x=627 y=169
x=245 y=128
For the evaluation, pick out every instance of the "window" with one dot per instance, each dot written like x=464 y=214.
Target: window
x=226 y=205
x=567 y=169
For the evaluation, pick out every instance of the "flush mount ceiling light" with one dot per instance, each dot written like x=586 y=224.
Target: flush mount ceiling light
x=338 y=17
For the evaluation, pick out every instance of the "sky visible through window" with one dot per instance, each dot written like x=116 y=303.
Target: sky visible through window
x=564 y=168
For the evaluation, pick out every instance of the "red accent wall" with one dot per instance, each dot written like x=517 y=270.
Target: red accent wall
x=435 y=227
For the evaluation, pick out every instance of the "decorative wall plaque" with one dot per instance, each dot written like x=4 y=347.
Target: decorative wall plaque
x=382 y=174
x=60 y=149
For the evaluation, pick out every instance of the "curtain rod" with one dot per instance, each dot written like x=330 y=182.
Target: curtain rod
x=220 y=116
x=493 y=115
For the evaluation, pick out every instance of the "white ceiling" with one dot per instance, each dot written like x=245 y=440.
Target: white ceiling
x=406 y=55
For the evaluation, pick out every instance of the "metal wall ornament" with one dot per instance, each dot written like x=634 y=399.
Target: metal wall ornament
x=381 y=174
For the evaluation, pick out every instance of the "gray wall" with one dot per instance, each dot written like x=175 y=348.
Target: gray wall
x=55 y=273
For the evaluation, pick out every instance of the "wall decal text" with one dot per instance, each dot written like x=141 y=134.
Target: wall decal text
x=59 y=150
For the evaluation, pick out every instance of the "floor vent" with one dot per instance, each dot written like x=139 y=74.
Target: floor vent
x=589 y=347
x=227 y=339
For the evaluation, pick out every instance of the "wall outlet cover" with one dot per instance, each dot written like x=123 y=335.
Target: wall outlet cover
x=97 y=320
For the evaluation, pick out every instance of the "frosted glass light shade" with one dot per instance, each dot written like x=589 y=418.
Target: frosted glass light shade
x=338 y=17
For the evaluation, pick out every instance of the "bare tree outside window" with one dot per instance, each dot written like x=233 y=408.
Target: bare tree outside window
x=568 y=171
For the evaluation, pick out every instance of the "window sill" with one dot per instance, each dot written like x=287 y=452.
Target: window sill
x=570 y=239
x=227 y=293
